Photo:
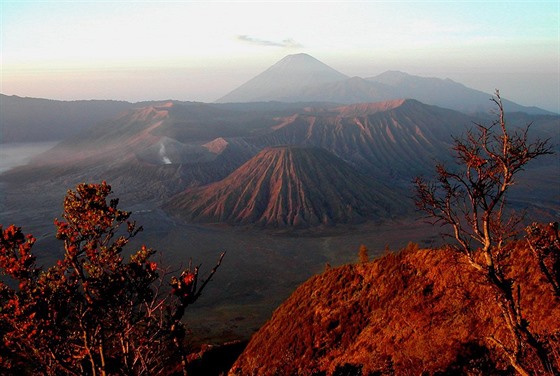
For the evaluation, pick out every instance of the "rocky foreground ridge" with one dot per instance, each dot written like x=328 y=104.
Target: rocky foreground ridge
x=412 y=312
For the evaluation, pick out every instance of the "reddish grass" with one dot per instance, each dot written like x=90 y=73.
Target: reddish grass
x=413 y=312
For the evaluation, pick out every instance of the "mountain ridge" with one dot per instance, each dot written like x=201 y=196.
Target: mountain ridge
x=389 y=140
x=25 y=119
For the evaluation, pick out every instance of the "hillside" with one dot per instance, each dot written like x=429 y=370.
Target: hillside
x=151 y=151
x=413 y=312
x=289 y=186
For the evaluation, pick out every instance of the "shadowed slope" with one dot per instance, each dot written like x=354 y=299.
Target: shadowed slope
x=288 y=186
x=39 y=120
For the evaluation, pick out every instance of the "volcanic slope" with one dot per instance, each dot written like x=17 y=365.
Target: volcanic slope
x=289 y=186
x=408 y=313
x=399 y=138
x=151 y=152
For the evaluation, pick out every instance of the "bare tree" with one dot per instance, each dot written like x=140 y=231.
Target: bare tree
x=186 y=290
x=472 y=201
x=544 y=242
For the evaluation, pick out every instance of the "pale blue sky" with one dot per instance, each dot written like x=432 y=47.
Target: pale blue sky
x=202 y=50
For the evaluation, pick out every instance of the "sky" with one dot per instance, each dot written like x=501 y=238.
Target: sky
x=200 y=51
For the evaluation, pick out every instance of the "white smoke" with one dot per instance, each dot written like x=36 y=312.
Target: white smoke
x=164 y=158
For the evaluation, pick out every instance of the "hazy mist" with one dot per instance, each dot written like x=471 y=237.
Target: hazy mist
x=19 y=154
x=198 y=51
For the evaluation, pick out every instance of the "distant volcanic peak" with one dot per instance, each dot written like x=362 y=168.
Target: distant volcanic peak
x=300 y=70
x=150 y=113
x=289 y=186
x=217 y=145
x=362 y=109
x=305 y=62
x=285 y=79
x=394 y=78
x=301 y=56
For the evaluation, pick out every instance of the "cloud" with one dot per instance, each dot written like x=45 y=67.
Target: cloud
x=286 y=43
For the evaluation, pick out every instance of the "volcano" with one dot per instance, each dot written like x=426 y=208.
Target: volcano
x=303 y=78
x=284 y=79
x=288 y=186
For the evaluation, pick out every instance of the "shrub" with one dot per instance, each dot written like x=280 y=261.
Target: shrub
x=95 y=311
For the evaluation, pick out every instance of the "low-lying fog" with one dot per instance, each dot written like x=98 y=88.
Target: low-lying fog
x=18 y=154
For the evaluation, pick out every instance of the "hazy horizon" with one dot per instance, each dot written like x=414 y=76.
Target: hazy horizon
x=194 y=51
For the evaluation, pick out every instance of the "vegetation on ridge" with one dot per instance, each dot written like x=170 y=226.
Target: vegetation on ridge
x=472 y=200
x=93 y=313
x=417 y=311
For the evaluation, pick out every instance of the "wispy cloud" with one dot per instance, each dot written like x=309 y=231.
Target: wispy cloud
x=286 y=43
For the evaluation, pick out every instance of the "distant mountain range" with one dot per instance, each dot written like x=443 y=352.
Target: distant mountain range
x=39 y=120
x=196 y=151
x=267 y=161
x=302 y=78
x=294 y=80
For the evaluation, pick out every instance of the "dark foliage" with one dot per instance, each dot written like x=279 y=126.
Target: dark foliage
x=96 y=312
